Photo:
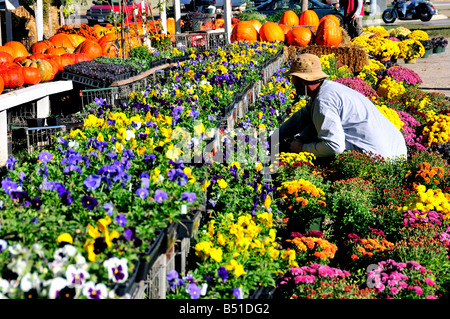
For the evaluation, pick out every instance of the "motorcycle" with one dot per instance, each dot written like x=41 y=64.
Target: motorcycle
x=422 y=10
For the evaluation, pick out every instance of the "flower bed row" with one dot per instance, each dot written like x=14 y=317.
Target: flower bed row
x=101 y=196
x=389 y=214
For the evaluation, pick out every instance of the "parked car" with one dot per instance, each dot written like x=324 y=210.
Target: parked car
x=99 y=12
x=271 y=7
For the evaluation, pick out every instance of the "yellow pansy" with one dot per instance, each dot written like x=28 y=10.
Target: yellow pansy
x=222 y=184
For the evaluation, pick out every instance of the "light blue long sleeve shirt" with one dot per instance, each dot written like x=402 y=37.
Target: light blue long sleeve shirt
x=345 y=119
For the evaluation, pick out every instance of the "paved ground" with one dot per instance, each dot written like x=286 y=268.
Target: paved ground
x=433 y=72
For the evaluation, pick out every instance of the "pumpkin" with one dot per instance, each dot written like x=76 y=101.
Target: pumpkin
x=331 y=17
x=271 y=32
x=289 y=18
x=31 y=75
x=256 y=24
x=5 y=57
x=244 y=30
x=39 y=56
x=78 y=57
x=107 y=38
x=285 y=28
x=299 y=36
x=55 y=51
x=40 y=46
x=76 y=39
x=7 y=50
x=19 y=59
x=19 y=50
x=100 y=30
x=328 y=34
x=62 y=61
x=89 y=47
x=12 y=77
x=55 y=67
x=110 y=49
x=61 y=40
x=309 y=18
x=2 y=85
x=44 y=67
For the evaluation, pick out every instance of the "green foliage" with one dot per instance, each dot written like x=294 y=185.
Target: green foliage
x=276 y=17
x=246 y=16
x=350 y=205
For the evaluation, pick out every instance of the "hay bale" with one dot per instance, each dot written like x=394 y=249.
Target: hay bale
x=353 y=56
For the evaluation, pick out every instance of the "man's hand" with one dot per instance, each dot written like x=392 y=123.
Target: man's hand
x=354 y=16
x=296 y=146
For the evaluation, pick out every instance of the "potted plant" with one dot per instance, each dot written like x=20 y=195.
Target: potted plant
x=429 y=46
x=411 y=50
x=53 y=120
x=36 y=122
x=195 y=20
x=440 y=43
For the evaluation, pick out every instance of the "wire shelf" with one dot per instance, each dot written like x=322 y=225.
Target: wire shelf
x=39 y=138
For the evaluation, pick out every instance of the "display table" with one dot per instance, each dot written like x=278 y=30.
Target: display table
x=39 y=93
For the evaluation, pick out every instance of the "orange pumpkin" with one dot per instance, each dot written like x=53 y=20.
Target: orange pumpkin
x=7 y=50
x=44 y=67
x=289 y=18
x=328 y=34
x=2 y=85
x=271 y=32
x=62 y=61
x=110 y=49
x=6 y=57
x=107 y=38
x=76 y=39
x=61 y=40
x=55 y=51
x=244 y=30
x=19 y=50
x=31 y=75
x=91 y=48
x=40 y=46
x=12 y=76
x=100 y=30
x=78 y=57
x=309 y=18
x=299 y=36
x=285 y=28
x=256 y=24
x=331 y=17
x=39 y=56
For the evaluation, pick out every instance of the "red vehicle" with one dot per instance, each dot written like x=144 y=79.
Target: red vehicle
x=101 y=11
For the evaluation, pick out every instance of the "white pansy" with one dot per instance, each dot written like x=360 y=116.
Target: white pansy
x=30 y=281
x=117 y=269
x=95 y=291
x=76 y=276
x=56 y=285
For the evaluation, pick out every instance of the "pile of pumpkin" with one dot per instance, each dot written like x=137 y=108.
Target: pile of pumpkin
x=292 y=30
x=46 y=58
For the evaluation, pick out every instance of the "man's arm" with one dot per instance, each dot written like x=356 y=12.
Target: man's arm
x=329 y=131
x=292 y=126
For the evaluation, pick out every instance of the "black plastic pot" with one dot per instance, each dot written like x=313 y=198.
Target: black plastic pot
x=188 y=226
x=53 y=121
x=148 y=259
x=36 y=122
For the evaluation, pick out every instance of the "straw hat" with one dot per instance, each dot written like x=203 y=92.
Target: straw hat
x=307 y=67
